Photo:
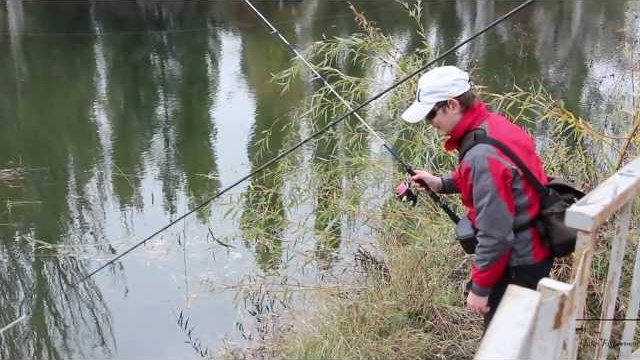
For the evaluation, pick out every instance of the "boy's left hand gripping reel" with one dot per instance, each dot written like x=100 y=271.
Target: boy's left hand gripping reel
x=404 y=192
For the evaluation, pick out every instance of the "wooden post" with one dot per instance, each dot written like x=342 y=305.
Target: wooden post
x=587 y=215
x=551 y=320
x=610 y=295
x=632 y=310
x=578 y=296
x=509 y=334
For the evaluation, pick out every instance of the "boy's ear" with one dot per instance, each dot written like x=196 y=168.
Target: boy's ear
x=453 y=104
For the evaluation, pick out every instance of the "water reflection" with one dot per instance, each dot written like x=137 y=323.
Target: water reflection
x=119 y=113
x=335 y=169
x=35 y=276
x=329 y=177
x=196 y=134
x=132 y=97
x=263 y=217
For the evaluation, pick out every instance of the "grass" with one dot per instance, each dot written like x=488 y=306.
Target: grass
x=405 y=317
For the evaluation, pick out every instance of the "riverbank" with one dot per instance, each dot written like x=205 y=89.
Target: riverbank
x=418 y=311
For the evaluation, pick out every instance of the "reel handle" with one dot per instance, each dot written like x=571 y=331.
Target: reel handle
x=421 y=182
x=443 y=204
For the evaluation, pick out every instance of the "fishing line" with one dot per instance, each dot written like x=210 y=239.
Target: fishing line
x=439 y=201
x=311 y=137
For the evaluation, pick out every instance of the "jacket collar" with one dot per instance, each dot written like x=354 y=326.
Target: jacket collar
x=471 y=119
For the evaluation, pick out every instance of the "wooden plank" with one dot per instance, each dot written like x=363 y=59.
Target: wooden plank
x=610 y=295
x=509 y=334
x=632 y=309
x=581 y=280
x=551 y=325
x=592 y=210
x=548 y=284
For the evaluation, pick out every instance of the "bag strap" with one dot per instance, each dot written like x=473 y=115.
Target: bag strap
x=470 y=140
x=482 y=138
x=479 y=136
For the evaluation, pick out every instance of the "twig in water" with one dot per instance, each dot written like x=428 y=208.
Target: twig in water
x=228 y=246
x=183 y=322
x=12 y=324
x=11 y=175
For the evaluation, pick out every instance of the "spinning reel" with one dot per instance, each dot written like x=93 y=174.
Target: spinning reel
x=405 y=193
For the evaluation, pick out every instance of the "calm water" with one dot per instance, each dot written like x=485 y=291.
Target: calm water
x=126 y=115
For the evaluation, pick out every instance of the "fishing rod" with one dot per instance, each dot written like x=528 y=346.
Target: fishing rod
x=403 y=188
x=311 y=137
x=437 y=199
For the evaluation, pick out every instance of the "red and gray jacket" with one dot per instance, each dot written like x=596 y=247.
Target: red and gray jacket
x=498 y=197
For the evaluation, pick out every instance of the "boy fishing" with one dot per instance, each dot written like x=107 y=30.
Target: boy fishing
x=502 y=204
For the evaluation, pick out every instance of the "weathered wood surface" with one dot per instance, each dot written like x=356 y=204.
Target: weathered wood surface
x=597 y=206
x=635 y=355
x=510 y=331
x=616 y=258
x=632 y=309
x=551 y=320
x=582 y=272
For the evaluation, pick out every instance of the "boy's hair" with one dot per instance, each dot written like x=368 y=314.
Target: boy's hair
x=466 y=99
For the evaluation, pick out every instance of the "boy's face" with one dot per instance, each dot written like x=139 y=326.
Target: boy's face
x=446 y=117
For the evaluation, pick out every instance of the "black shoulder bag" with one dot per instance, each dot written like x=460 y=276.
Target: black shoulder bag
x=555 y=199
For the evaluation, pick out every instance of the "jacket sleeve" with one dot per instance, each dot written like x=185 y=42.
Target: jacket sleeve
x=493 y=202
x=448 y=184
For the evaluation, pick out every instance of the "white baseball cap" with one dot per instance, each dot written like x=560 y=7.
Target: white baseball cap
x=439 y=84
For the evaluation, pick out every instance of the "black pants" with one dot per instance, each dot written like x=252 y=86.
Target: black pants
x=522 y=275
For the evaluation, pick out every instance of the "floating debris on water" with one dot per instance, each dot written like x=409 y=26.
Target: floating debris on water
x=12 y=176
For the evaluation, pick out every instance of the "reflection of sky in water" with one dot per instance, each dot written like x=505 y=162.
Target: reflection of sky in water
x=160 y=279
x=184 y=269
x=233 y=112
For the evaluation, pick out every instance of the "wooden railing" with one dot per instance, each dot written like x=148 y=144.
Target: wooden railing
x=541 y=324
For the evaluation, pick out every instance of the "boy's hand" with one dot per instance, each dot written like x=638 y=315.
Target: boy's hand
x=434 y=182
x=477 y=304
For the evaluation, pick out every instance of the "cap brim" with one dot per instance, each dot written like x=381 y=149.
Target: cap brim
x=416 y=112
